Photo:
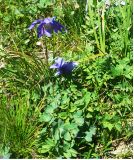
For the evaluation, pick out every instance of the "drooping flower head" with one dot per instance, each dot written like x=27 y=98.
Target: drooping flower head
x=63 y=67
x=47 y=26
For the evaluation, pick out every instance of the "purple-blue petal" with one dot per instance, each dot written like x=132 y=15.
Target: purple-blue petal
x=63 y=67
x=54 y=66
x=60 y=61
x=48 y=28
x=40 y=30
x=34 y=23
x=68 y=67
x=57 y=26
x=48 y=34
x=48 y=20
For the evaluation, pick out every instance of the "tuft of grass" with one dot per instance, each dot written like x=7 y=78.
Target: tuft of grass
x=19 y=124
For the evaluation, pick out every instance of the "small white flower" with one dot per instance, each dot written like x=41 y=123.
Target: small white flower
x=2 y=65
x=39 y=43
x=123 y=3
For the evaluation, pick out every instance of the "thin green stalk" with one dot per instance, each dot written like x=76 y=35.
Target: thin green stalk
x=103 y=28
x=126 y=23
x=45 y=50
x=53 y=42
x=100 y=31
x=92 y=23
x=13 y=41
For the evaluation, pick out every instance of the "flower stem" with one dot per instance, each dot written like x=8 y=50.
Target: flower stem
x=45 y=50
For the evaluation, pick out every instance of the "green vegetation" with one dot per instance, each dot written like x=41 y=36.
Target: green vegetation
x=87 y=114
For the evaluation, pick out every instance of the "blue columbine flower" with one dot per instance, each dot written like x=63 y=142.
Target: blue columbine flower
x=47 y=26
x=63 y=67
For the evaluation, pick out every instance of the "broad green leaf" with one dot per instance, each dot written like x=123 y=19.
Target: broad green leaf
x=79 y=121
x=50 y=142
x=73 y=108
x=67 y=136
x=118 y=126
x=87 y=98
x=70 y=126
x=108 y=125
x=108 y=116
x=90 y=109
x=44 y=149
x=73 y=152
x=78 y=113
x=70 y=153
x=45 y=3
x=90 y=133
x=118 y=69
x=79 y=102
x=50 y=108
x=74 y=132
x=45 y=117
x=57 y=134
x=63 y=115
x=89 y=115
x=67 y=154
